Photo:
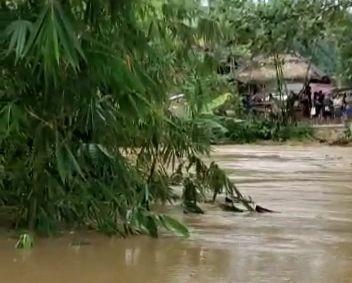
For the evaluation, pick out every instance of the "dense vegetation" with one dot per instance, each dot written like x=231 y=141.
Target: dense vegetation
x=253 y=129
x=83 y=89
x=86 y=135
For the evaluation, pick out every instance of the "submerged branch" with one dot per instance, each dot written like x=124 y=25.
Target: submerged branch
x=214 y=180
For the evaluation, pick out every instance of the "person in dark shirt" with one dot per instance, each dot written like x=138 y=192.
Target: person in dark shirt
x=290 y=104
x=316 y=104
x=308 y=93
x=246 y=101
x=320 y=104
x=305 y=105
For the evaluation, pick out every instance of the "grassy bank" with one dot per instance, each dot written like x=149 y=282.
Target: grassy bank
x=259 y=130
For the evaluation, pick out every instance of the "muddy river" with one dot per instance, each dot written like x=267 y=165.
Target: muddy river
x=310 y=240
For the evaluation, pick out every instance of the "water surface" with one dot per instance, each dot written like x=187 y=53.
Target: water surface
x=310 y=240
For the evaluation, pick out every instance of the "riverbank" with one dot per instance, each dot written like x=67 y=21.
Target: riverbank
x=306 y=142
x=322 y=134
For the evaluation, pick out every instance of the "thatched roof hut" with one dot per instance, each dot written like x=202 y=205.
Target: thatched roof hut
x=263 y=70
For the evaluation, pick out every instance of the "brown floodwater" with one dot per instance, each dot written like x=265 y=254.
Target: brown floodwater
x=310 y=240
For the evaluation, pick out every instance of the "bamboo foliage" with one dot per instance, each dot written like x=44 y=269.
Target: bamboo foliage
x=82 y=83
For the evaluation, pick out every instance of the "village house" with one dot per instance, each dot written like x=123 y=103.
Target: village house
x=259 y=76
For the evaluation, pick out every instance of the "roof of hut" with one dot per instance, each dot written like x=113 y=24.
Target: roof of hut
x=294 y=67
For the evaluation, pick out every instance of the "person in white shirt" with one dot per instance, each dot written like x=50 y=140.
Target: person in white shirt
x=337 y=104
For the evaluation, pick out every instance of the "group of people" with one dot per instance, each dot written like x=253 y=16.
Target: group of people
x=322 y=106
x=310 y=105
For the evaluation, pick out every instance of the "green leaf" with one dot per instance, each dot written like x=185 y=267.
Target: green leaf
x=173 y=225
x=18 y=32
x=151 y=226
x=105 y=151
x=26 y=241
x=216 y=102
x=74 y=162
x=61 y=160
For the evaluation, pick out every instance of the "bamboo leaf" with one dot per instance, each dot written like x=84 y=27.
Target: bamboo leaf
x=151 y=226
x=105 y=151
x=74 y=162
x=18 y=31
x=61 y=160
x=173 y=225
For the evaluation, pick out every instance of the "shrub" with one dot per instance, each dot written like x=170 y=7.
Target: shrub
x=252 y=130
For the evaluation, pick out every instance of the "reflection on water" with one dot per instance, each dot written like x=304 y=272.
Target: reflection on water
x=310 y=240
